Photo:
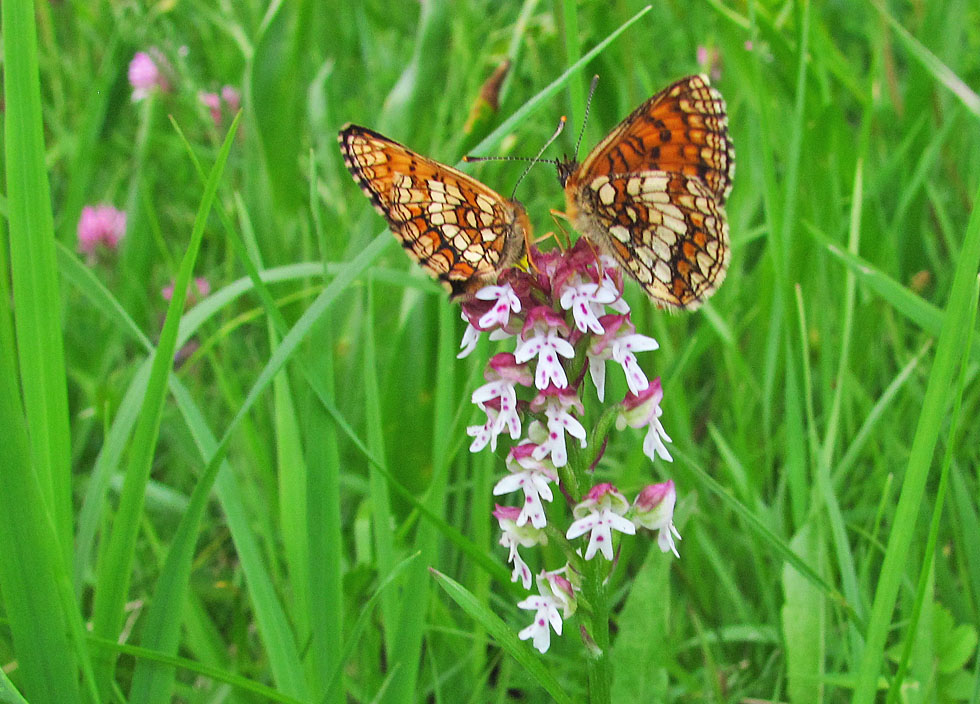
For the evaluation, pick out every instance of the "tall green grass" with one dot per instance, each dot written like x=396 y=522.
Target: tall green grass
x=292 y=514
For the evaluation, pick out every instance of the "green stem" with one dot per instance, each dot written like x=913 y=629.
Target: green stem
x=595 y=634
x=598 y=663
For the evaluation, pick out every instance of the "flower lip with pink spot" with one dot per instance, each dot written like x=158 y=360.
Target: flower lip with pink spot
x=544 y=338
x=504 y=301
x=598 y=514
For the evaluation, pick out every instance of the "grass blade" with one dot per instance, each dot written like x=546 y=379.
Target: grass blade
x=779 y=547
x=504 y=635
x=35 y=477
x=285 y=676
x=115 y=568
x=532 y=105
x=906 y=303
x=219 y=675
x=948 y=351
x=924 y=594
x=9 y=693
x=940 y=71
x=31 y=568
x=151 y=681
x=34 y=271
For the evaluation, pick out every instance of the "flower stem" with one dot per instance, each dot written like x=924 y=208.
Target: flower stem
x=599 y=665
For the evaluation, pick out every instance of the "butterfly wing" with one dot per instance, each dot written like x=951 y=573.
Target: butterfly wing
x=681 y=129
x=666 y=229
x=653 y=192
x=458 y=230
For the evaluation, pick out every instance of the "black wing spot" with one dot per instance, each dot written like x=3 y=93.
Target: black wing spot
x=637 y=144
x=612 y=162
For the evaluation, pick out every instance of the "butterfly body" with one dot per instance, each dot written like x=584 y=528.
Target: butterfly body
x=461 y=232
x=652 y=193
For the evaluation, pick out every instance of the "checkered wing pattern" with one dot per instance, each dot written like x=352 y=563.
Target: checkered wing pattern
x=653 y=192
x=458 y=230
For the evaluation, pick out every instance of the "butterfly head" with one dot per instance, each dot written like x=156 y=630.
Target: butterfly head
x=566 y=167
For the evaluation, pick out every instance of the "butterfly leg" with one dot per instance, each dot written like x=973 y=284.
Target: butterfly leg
x=558 y=216
x=598 y=256
x=529 y=257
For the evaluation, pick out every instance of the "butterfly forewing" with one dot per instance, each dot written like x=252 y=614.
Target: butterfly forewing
x=654 y=190
x=458 y=230
x=683 y=128
x=666 y=229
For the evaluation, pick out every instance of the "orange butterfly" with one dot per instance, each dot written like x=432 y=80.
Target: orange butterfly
x=652 y=193
x=458 y=230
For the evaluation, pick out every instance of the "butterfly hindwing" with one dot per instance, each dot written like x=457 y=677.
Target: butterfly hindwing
x=666 y=229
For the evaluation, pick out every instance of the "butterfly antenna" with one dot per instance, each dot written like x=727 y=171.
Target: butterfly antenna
x=532 y=160
x=477 y=159
x=537 y=157
x=585 y=120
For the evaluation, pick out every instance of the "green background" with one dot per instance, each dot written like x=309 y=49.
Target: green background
x=258 y=522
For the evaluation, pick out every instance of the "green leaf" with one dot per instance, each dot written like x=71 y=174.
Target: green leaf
x=958 y=688
x=954 y=645
x=804 y=622
x=640 y=674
